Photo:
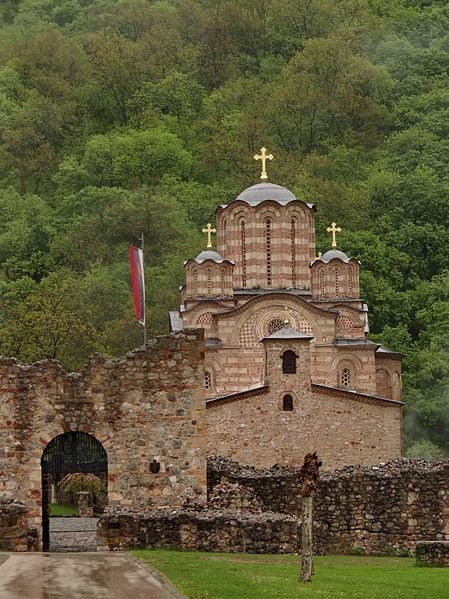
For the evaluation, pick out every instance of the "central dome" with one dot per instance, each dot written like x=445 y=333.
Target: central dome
x=266 y=191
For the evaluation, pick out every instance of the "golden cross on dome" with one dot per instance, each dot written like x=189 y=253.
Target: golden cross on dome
x=333 y=229
x=264 y=157
x=286 y=315
x=209 y=230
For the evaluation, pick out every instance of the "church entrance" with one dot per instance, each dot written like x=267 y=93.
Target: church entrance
x=74 y=491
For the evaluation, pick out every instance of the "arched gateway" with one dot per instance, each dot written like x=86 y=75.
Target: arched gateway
x=68 y=453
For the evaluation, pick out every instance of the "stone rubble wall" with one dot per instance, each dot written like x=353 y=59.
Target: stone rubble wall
x=372 y=509
x=14 y=532
x=146 y=405
x=198 y=529
x=432 y=554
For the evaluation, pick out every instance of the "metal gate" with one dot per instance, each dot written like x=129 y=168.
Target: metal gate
x=70 y=452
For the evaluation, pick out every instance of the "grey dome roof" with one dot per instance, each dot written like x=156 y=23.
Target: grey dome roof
x=210 y=255
x=261 y=192
x=288 y=333
x=331 y=254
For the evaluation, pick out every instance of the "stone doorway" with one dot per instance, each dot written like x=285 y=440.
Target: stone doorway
x=62 y=528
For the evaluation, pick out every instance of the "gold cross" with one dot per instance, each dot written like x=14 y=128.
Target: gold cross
x=286 y=316
x=264 y=157
x=333 y=229
x=209 y=230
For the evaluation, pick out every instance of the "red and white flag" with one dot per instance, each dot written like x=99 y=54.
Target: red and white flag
x=138 y=281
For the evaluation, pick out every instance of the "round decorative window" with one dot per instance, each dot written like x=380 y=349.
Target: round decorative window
x=275 y=325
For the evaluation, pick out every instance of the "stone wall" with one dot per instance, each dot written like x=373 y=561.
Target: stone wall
x=343 y=426
x=432 y=554
x=378 y=509
x=198 y=530
x=146 y=405
x=14 y=532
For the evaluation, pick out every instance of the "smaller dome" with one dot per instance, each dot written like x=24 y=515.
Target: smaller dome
x=210 y=255
x=331 y=254
x=261 y=192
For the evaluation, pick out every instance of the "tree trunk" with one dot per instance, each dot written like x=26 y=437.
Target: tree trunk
x=307 y=547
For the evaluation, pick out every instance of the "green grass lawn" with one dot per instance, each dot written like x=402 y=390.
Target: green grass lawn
x=60 y=509
x=244 y=576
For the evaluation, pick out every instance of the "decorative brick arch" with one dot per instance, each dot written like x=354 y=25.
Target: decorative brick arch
x=250 y=329
x=346 y=362
x=280 y=400
x=384 y=383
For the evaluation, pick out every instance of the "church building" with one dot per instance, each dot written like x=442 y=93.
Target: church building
x=288 y=365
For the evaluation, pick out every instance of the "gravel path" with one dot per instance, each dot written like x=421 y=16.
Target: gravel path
x=73 y=534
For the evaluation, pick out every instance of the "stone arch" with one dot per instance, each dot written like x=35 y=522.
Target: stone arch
x=301 y=314
x=68 y=453
x=383 y=383
x=340 y=367
x=265 y=212
x=396 y=386
x=280 y=400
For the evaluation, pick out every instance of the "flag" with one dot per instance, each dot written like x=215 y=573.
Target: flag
x=136 y=258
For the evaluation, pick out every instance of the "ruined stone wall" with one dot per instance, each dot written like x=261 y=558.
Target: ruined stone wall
x=148 y=404
x=15 y=535
x=199 y=530
x=377 y=509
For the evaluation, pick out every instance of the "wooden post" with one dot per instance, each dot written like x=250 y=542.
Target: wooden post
x=309 y=475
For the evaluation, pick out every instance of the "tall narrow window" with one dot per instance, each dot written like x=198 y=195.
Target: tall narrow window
x=337 y=277
x=289 y=362
x=195 y=283
x=243 y=245
x=293 y=247
x=207 y=380
x=322 y=283
x=268 y=249
x=287 y=403
x=350 y=277
x=223 y=281
x=209 y=282
x=346 y=377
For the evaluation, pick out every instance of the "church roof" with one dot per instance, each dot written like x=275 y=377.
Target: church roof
x=331 y=254
x=387 y=352
x=261 y=192
x=288 y=333
x=211 y=255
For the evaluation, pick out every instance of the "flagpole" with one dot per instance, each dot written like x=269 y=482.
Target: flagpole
x=144 y=324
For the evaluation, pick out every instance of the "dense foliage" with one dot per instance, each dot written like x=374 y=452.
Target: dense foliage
x=122 y=116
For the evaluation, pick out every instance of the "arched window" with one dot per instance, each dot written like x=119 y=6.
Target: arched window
x=289 y=362
x=209 y=282
x=346 y=378
x=207 y=380
x=287 y=403
x=268 y=249
x=337 y=277
x=322 y=283
x=243 y=247
x=195 y=282
x=223 y=281
x=350 y=279
x=293 y=247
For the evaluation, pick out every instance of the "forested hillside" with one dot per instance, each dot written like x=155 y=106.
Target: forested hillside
x=122 y=116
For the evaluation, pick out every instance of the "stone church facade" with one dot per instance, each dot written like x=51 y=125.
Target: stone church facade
x=288 y=365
